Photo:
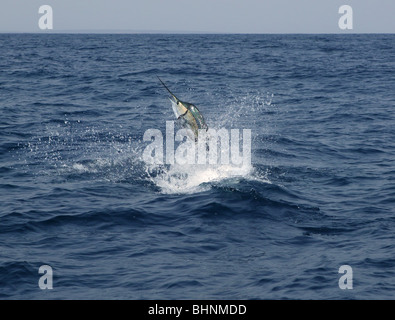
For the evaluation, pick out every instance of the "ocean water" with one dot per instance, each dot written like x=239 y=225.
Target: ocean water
x=77 y=195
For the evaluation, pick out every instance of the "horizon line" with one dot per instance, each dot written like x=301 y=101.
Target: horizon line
x=169 y=32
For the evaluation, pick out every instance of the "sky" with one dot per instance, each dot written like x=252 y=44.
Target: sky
x=199 y=16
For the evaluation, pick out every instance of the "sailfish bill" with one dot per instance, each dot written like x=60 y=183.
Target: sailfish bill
x=188 y=113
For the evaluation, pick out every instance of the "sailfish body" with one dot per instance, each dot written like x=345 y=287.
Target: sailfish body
x=188 y=113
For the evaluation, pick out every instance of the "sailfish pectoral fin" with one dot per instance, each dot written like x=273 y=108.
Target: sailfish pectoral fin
x=182 y=115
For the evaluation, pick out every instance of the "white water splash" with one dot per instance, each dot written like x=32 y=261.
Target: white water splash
x=189 y=179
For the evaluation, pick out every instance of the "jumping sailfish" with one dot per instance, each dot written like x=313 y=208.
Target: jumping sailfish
x=188 y=113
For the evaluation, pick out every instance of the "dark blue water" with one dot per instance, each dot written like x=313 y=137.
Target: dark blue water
x=76 y=194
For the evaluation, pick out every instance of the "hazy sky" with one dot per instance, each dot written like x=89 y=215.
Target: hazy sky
x=242 y=16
